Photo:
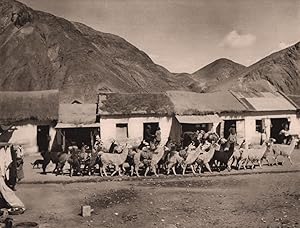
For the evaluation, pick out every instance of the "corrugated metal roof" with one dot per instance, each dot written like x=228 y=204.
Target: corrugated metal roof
x=199 y=119
x=190 y=103
x=77 y=113
x=295 y=99
x=264 y=101
x=64 y=125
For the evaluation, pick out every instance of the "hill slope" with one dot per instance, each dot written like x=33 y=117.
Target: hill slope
x=219 y=70
x=41 y=51
x=280 y=69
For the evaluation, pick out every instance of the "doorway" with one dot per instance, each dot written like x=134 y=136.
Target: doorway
x=195 y=127
x=43 y=137
x=79 y=136
x=227 y=125
x=277 y=125
x=153 y=126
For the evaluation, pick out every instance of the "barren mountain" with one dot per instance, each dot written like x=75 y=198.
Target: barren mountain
x=280 y=70
x=219 y=70
x=41 y=51
x=189 y=82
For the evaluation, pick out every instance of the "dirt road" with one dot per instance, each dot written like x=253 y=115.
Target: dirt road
x=260 y=200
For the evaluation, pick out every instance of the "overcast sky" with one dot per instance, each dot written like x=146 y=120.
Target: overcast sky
x=185 y=35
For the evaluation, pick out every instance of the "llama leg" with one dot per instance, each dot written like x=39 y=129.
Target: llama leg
x=114 y=172
x=174 y=171
x=193 y=169
x=200 y=167
x=137 y=170
x=229 y=165
x=154 y=170
x=168 y=169
x=131 y=170
x=101 y=171
x=245 y=164
x=123 y=167
x=276 y=161
x=147 y=170
x=208 y=167
x=289 y=157
x=119 y=170
x=259 y=163
x=252 y=166
x=240 y=165
x=183 y=169
x=104 y=170
x=71 y=170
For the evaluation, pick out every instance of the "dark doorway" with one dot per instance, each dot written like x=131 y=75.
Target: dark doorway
x=153 y=126
x=79 y=136
x=194 y=127
x=227 y=125
x=276 y=126
x=43 y=137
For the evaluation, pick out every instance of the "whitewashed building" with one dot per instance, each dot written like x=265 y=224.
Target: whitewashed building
x=204 y=111
x=266 y=111
x=76 y=124
x=124 y=116
x=28 y=118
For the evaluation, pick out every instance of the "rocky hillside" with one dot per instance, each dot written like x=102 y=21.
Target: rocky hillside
x=219 y=70
x=280 y=70
x=41 y=51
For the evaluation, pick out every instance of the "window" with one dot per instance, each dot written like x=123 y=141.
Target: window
x=259 y=127
x=122 y=131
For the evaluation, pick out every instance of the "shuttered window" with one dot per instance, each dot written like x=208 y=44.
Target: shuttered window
x=122 y=131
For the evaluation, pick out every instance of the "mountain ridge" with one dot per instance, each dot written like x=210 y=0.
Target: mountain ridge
x=280 y=69
x=41 y=51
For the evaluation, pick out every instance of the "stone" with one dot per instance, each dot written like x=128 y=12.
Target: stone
x=86 y=211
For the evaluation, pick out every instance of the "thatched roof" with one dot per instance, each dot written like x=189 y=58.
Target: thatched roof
x=135 y=104
x=190 y=103
x=33 y=105
x=77 y=113
x=265 y=101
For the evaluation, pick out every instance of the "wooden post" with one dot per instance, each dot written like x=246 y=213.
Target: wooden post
x=64 y=140
x=222 y=129
x=92 y=138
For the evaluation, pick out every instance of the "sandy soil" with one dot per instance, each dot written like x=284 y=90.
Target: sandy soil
x=258 y=200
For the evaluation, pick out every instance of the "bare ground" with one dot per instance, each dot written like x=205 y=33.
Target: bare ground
x=258 y=200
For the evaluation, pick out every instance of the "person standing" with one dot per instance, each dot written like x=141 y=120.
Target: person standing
x=284 y=135
x=113 y=146
x=157 y=139
x=98 y=145
x=148 y=134
x=20 y=162
x=232 y=139
x=12 y=177
x=15 y=204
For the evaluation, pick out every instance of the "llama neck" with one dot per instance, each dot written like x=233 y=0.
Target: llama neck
x=124 y=154
x=293 y=144
x=211 y=150
x=161 y=150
